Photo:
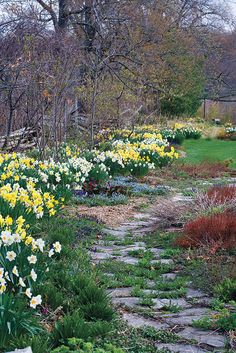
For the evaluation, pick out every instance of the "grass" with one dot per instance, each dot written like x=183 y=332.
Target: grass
x=210 y=150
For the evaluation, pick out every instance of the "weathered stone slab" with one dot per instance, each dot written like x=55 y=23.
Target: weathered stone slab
x=136 y=224
x=161 y=303
x=186 y=316
x=129 y=301
x=163 y=262
x=156 y=252
x=137 y=321
x=101 y=248
x=211 y=338
x=119 y=292
x=142 y=231
x=181 y=198
x=142 y=215
x=180 y=348
x=194 y=293
x=99 y=256
x=125 y=250
x=169 y=276
x=205 y=301
x=129 y=260
x=117 y=232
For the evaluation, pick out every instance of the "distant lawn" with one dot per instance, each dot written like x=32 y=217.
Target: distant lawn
x=213 y=150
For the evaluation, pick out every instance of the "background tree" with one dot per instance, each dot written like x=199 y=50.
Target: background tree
x=101 y=62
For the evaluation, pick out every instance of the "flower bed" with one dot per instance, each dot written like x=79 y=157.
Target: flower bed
x=33 y=191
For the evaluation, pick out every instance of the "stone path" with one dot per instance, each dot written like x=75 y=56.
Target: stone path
x=145 y=290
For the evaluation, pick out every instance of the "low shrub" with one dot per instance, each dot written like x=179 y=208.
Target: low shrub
x=73 y=325
x=222 y=194
x=226 y=290
x=225 y=321
x=103 y=200
x=206 y=272
x=15 y=319
x=205 y=169
x=38 y=343
x=215 y=231
x=79 y=346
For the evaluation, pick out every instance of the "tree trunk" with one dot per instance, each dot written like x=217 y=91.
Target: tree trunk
x=63 y=17
x=9 y=120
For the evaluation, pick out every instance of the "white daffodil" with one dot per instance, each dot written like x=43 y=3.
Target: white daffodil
x=21 y=282
x=11 y=255
x=28 y=293
x=15 y=271
x=35 y=301
x=6 y=237
x=32 y=259
x=2 y=285
x=1 y=272
x=40 y=243
x=17 y=238
x=33 y=275
x=57 y=247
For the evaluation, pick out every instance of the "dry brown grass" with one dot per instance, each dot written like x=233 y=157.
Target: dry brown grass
x=111 y=216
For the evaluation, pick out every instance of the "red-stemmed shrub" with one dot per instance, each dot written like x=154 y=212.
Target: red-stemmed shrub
x=222 y=194
x=214 y=232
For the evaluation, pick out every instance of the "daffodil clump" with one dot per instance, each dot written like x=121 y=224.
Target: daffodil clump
x=23 y=260
x=26 y=194
x=45 y=175
x=27 y=201
x=230 y=130
x=136 y=151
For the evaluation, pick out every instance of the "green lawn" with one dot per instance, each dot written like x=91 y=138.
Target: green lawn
x=210 y=150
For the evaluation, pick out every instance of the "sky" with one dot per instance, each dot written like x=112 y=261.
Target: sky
x=233 y=6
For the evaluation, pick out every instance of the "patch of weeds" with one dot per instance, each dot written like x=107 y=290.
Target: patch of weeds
x=161 y=336
x=109 y=237
x=160 y=239
x=141 y=254
x=226 y=290
x=224 y=321
x=116 y=267
x=88 y=228
x=189 y=192
x=116 y=253
x=171 y=308
x=175 y=284
x=130 y=338
x=178 y=293
x=204 y=323
x=146 y=301
x=130 y=281
x=217 y=304
x=206 y=272
x=152 y=272
x=142 y=206
x=128 y=240
x=146 y=262
x=137 y=292
x=170 y=253
x=227 y=323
